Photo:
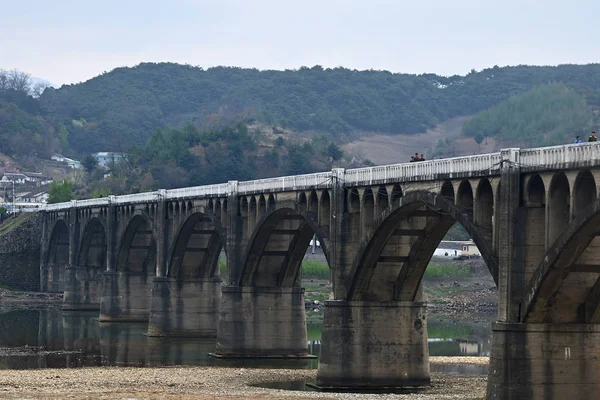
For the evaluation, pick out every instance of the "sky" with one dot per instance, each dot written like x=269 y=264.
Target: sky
x=72 y=41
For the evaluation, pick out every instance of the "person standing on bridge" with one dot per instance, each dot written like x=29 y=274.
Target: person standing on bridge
x=593 y=137
x=578 y=140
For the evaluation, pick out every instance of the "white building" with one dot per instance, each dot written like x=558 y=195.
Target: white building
x=14 y=177
x=69 y=161
x=451 y=249
x=106 y=158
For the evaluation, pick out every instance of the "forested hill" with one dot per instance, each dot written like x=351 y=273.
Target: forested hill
x=125 y=106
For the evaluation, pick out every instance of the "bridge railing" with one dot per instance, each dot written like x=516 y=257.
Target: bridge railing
x=541 y=158
x=557 y=157
x=424 y=169
x=196 y=191
x=285 y=183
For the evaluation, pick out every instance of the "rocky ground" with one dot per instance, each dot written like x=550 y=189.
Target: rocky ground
x=208 y=383
x=14 y=300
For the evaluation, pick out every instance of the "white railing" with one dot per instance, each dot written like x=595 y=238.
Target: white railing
x=559 y=156
x=137 y=198
x=584 y=154
x=92 y=202
x=286 y=183
x=425 y=170
x=198 y=191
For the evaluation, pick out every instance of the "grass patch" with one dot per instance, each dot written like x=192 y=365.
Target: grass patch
x=222 y=266
x=12 y=223
x=314 y=269
x=441 y=271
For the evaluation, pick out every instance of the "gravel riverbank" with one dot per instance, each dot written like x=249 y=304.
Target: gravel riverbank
x=207 y=383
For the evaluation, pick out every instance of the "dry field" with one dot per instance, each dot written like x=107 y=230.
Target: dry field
x=206 y=383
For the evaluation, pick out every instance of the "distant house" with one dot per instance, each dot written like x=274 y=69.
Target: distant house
x=37 y=178
x=70 y=162
x=106 y=158
x=36 y=195
x=453 y=249
x=14 y=177
x=470 y=249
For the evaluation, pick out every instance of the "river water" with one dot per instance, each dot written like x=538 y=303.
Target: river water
x=61 y=339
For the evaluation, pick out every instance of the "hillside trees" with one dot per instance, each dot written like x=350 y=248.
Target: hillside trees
x=545 y=115
x=127 y=105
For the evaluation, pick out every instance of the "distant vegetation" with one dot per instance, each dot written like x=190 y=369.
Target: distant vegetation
x=183 y=125
x=544 y=115
x=457 y=232
x=315 y=269
x=125 y=106
x=449 y=270
x=187 y=157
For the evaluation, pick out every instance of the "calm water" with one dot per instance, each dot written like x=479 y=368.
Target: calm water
x=56 y=339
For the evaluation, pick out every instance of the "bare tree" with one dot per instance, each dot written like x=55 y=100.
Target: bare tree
x=38 y=88
x=3 y=80
x=19 y=81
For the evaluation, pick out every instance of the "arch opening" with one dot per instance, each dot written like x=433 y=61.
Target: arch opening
x=137 y=254
x=58 y=256
x=484 y=207
x=325 y=209
x=584 y=192
x=196 y=251
x=277 y=249
x=558 y=206
x=92 y=253
x=382 y=199
x=391 y=264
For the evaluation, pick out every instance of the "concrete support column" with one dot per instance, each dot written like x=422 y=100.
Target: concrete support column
x=83 y=288
x=44 y=254
x=544 y=361
x=262 y=322
x=162 y=232
x=510 y=274
x=125 y=297
x=373 y=345
x=185 y=308
x=111 y=234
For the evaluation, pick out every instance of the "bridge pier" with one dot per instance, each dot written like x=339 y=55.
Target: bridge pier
x=185 y=308
x=368 y=345
x=83 y=288
x=125 y=297
x=544 y=361
x=54 y=274
x=262 y=322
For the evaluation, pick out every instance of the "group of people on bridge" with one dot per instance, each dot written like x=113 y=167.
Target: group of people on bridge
x=591 y=138
x=417 y=157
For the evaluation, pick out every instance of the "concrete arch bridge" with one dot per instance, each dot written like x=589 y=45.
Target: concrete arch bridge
x=534 y=214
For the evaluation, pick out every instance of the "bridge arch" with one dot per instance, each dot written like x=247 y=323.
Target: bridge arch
x=277 y=247
x=58 y=255
x=584 y=192
x=391 y=262
x=484 y=204
x=558 y=206
x=137 y=253
x=93 y=249
x=565 y=287
x=196 y=248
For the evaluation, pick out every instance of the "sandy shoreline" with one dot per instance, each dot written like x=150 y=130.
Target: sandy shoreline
x=207 y=383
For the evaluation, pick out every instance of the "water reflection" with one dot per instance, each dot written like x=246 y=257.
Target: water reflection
x=72 y=339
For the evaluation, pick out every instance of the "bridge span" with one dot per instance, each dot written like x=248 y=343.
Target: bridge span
x=533 y=213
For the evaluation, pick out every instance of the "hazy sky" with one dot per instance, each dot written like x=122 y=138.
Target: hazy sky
x=72 y=41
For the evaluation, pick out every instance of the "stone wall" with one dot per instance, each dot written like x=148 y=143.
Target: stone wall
x=20 y=252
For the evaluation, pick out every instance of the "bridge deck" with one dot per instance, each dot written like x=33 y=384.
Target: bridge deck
x=535 y=159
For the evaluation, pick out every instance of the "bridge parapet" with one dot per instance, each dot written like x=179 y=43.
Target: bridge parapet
x=559 y=157
x=536 y=159
x=487 y=164
x=319 y=180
